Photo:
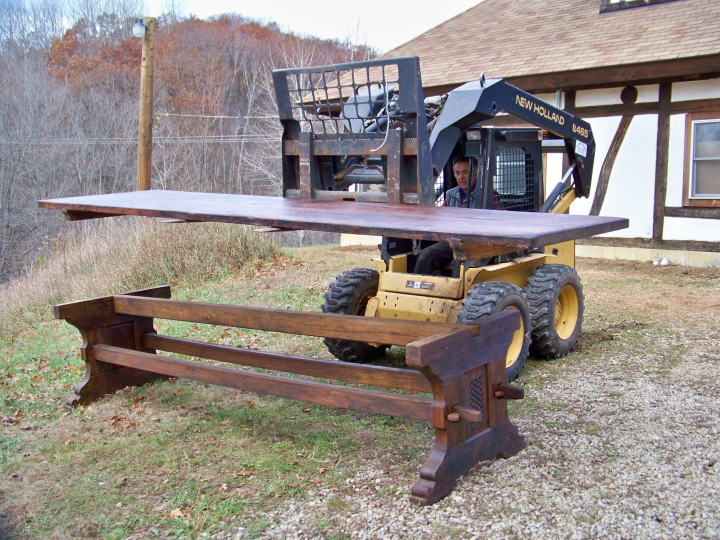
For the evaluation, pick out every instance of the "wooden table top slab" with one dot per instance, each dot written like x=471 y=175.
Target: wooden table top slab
x=490 y=227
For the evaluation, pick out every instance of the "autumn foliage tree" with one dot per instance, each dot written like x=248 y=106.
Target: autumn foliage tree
x=84 y=65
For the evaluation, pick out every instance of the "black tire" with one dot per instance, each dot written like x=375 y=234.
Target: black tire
x=557 y=303
x=492 y=297
x=349 y=295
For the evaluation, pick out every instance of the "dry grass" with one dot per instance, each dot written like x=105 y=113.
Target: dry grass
x=125 y=254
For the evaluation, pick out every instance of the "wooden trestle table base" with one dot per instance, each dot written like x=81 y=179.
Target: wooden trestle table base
x=461 y=367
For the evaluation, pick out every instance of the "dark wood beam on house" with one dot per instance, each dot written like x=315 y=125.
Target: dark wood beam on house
x=665 y=71
x=650 y=243
x=570 y=98
x=619 y=109
x=607 y=166
x=695 y=106
x=661 y=160
x=701 y=213
x=628 y=97
x=632 y=109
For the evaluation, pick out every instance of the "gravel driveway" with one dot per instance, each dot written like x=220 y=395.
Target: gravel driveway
x=623 y=435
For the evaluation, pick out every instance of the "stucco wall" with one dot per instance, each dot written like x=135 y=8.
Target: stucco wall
x=611 y=96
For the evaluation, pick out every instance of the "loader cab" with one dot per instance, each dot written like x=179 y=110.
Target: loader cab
x=510 y=175
x=510 y=178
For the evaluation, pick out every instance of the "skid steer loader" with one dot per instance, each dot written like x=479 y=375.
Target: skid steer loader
x=384 y=106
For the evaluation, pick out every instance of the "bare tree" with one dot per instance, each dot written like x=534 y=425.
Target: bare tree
x=30 y=24
x=108 y=21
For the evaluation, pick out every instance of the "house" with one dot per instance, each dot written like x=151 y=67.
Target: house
x=644 y=73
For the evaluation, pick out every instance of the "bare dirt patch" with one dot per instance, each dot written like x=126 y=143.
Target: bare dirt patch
x=602 y=335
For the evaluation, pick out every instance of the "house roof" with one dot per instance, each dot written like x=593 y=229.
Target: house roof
x=518 y=39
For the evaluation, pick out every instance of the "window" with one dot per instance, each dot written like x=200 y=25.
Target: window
x=616 y=5
x=702 y=174
x=515 y=178
x=510 y=179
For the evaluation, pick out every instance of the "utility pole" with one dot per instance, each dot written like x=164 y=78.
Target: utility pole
x=145 y=124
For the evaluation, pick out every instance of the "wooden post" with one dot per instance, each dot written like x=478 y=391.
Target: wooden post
x=661 y=161
x=145 y=124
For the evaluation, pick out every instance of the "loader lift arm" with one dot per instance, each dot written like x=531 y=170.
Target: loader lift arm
x=482 y=100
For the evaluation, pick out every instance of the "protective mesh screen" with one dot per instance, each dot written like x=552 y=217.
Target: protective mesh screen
x=515 y=180
x=440 y=190
x=350 y=101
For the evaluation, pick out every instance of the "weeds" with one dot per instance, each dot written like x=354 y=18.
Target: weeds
x=173 y=458
x=126 y=254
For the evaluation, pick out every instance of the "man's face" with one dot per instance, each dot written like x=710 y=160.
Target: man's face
x=462 y=175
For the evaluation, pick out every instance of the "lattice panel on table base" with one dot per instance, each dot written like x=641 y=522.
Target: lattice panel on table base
x=476 y=399
x=476 y=393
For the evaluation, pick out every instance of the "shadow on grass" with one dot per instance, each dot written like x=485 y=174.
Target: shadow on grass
x=393 y=357
x=6 y=531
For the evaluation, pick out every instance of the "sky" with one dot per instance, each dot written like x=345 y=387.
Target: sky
x=390 y=24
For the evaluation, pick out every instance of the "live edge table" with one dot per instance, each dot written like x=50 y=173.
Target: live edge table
x=461 y=367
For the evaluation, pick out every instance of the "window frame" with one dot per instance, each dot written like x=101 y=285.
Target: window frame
x=706 y=202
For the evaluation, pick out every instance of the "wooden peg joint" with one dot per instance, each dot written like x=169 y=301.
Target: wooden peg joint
x=509 y=391
x=464 y=414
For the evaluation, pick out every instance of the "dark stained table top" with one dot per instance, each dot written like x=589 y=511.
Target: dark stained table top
x=494 y=227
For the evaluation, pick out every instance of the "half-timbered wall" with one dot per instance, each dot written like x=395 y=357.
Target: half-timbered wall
x=633 y=180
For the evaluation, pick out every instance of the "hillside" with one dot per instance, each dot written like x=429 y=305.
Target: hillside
x=69 y=109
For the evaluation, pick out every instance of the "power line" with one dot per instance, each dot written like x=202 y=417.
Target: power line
x=159 y=140
x=196 y=116
x=238 y=118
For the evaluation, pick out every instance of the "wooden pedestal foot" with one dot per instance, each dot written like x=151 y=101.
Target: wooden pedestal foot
x=100 y=325
x=440 y=472
x=96 y=386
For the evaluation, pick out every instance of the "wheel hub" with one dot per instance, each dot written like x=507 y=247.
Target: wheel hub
x=566 y=312
x=516 y=345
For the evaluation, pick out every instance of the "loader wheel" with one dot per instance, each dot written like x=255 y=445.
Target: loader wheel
x=556 y=309
x=349 y=295
x=492 y=297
